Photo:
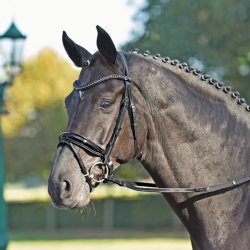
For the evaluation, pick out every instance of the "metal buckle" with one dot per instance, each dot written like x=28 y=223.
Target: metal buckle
x=105 y=172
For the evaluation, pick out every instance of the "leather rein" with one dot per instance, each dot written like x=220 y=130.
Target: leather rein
x=71 y=140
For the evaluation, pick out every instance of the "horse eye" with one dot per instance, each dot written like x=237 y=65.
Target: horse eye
x=106 y=104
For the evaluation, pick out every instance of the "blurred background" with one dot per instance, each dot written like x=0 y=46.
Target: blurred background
x=35 y=77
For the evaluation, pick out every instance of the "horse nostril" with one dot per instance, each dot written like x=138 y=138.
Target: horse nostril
x=66 y=186
x=66 y=189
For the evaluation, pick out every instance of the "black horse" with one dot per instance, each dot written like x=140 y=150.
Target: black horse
x=187 y=130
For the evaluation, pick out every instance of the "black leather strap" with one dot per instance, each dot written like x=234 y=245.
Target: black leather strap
x=151 y=187
x=81 y=142
x=81 y=87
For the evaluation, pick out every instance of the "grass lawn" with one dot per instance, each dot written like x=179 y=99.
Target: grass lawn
x=88 y=241
x=99 y=244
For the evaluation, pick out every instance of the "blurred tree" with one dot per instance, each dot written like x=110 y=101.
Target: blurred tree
x=36 y=115
x=213 y=36
x=45 y=80
x=29 y=154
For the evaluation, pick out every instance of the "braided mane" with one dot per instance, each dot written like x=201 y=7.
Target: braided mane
x=201 y=76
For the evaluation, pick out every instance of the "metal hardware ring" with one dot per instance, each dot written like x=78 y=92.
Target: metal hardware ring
x=105 y=171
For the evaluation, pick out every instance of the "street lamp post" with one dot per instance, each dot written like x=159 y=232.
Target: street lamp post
x=10 y=51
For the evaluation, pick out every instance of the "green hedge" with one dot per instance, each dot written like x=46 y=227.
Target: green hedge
x=142 y=212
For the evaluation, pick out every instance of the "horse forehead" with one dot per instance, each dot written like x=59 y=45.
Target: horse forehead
x=111 y=85
x=98 y=69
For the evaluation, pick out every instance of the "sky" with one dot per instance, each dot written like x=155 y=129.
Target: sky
x=44 y=20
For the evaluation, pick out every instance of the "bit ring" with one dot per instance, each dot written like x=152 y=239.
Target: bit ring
x=105 y=171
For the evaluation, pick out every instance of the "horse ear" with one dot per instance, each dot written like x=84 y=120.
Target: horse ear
x=106 y=45
x=77 y=54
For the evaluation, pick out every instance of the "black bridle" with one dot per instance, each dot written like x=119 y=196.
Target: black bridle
x=71 y=140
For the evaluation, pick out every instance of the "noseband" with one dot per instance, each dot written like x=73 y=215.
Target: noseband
x=73 y=139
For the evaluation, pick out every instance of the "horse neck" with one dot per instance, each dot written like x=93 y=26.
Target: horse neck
x=196 y=136
x=193 y=128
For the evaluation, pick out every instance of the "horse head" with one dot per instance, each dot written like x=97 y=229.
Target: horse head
x=100 y=134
